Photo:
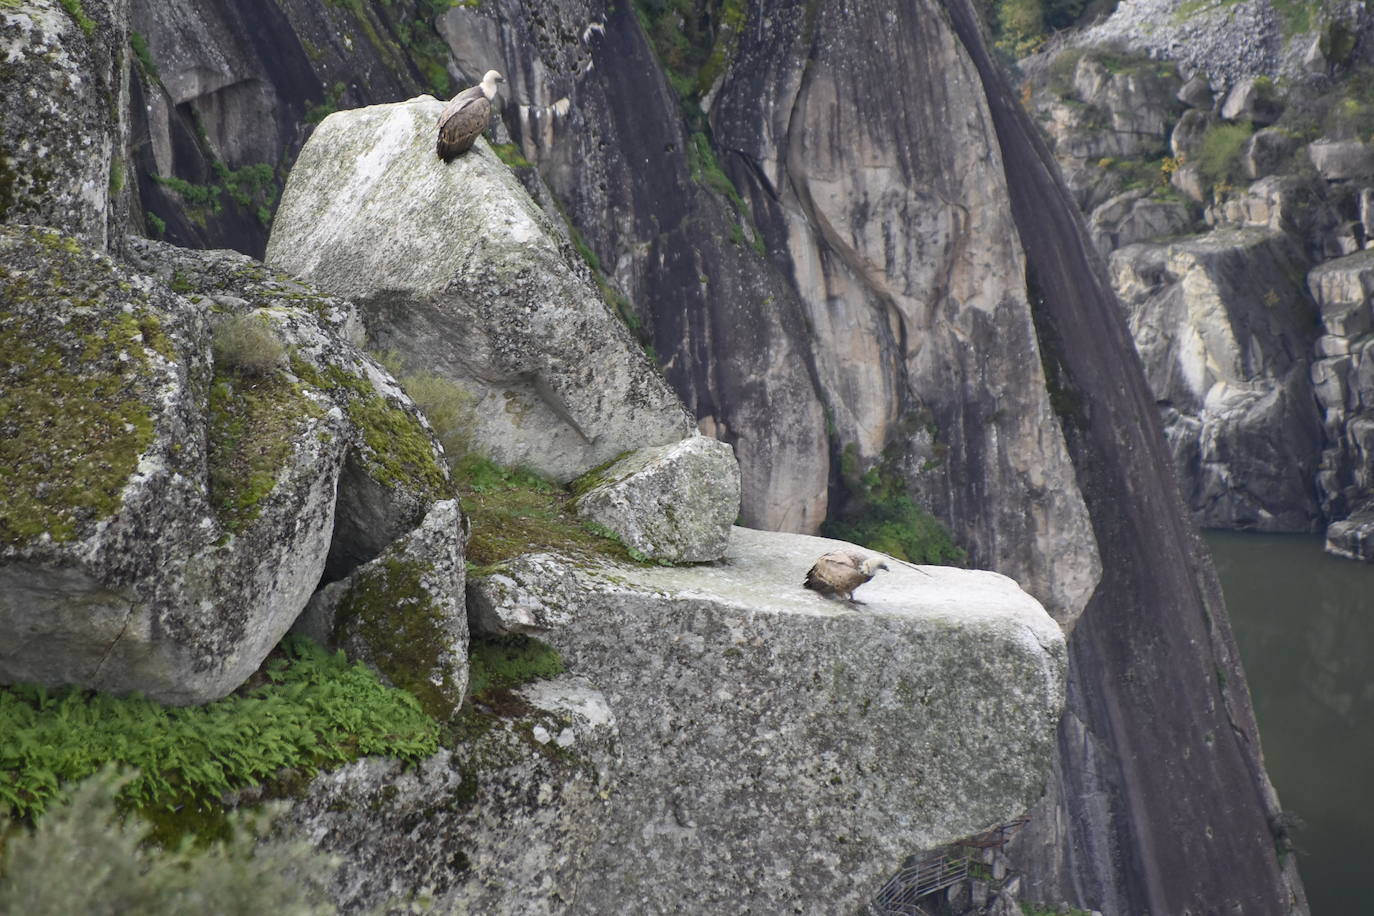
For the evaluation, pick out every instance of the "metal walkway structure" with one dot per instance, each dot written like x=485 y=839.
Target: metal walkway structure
x=928 y=873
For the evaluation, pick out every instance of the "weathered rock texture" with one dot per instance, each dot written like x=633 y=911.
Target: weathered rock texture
x=1110 y=835
x=1343 y=378
x=673 y=502
x=404 y=613
x=1224 y=329
x=454 y=267
x=63 y=93
x=167 y=512
x=500 y=824
x=784 y=750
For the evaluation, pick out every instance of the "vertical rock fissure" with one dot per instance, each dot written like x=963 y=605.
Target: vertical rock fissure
x=1195 y=807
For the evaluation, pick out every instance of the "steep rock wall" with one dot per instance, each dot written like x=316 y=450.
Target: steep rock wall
x=1162 y=803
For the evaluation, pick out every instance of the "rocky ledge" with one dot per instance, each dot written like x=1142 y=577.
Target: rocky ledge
x=781 y=748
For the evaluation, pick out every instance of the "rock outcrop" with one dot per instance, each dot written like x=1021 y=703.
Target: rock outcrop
x=500 y=824
x=1224 y=329
x=783 y=749
x=63 y=93
x=1108 y=836
x=673 y=503
x=457 y=270
x=171 y=497
x=404 y=614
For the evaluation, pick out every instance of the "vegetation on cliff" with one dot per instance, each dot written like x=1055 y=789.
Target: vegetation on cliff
x=305 y=711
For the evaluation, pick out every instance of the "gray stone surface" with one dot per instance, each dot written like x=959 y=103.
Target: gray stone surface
x=454 y=267
x=1224 y=333
x=674 y=503
x=404 y=614
x=1342 y=160
x=125 y=577
x=171 y=516
x=532 y=593
x=782 y=748
x=500 y=824
x=1252 y=99
x=1196 y=92
x=63 y=95
x=1268 y=152
x=1343 y=380
x=1134 y=216
x=1353 y=536
x=1186 y=139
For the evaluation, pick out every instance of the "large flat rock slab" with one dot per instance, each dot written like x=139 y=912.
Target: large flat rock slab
x=782 y=748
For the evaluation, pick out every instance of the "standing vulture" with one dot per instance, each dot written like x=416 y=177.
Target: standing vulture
x=841 y=571
x=467 y=116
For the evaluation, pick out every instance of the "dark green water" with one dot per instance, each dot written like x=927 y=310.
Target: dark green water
x=1305 y=624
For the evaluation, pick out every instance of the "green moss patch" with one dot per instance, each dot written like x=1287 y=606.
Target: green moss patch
x=514 y=511
x=878 y=512
x=400 y=453
x=74 y=396
x=395 y=615
x=254 y=423
x=505 y=662
x=314 y=711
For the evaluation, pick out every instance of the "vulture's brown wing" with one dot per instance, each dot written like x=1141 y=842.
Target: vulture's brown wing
x=834 y=574
x=461 y=123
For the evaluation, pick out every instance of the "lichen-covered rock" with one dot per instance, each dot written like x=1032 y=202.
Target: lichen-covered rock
x=782 y=748
x=404 y=613
x=392 y=470
x=500 y=824
x=62 y=94
x=457 y=269
x=531 y=593
x=672 y=502
x=1224 y=332
x=164 y=519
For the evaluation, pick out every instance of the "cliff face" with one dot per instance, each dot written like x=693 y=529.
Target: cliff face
x=1141 y=745
x=896 y=314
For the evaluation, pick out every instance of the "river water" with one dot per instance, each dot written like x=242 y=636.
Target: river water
x=1305 y=625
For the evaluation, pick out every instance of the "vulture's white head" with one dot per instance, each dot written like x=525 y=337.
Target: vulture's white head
x=490 y=82
x=870 y=566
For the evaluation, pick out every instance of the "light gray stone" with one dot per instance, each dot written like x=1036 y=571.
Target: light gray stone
x=531 y=593
x=63 y=90
x=1186 y=139
x=1342 y=160
x=499 y=824
x=1268 y=152
x=1353 y=537
x=673 y=502
x=1224 y=334
x=1196 y=92
x=1252 y=99
x=133 y=558
x=454 y=267
x=782 y=748
x=1136 y=217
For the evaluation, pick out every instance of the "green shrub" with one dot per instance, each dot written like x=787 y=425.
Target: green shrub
x=1218 y=158
x=82 y=857
x=246 y=344
x=314 y=710
x=448 y=407
x=877 y=512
